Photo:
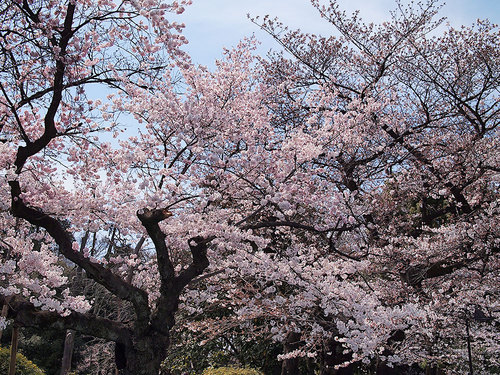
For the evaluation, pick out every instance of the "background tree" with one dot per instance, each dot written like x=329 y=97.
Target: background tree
x=390 y=182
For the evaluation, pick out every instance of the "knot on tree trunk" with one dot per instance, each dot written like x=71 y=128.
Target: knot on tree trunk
x=147 y=216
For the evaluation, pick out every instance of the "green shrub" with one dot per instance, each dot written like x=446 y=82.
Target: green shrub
x=231 y=371
x=23 y=365
x=187 y=356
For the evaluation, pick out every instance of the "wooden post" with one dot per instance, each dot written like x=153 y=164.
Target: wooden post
x=5 y=310
x=13 y=351
x=69 y=343
x=469 y=351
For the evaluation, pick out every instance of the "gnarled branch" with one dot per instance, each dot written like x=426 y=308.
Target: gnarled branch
x=26 y=314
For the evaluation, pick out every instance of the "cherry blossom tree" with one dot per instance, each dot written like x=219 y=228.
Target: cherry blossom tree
x=53 y=162
x=384 y=202
x=179 y=187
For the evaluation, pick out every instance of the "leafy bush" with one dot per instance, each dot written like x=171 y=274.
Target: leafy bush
x=231 y=371
x=23 y=365
x=43 y=347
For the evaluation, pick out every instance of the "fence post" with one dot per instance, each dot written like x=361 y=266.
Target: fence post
x=468 y=344
x=5 y=310
x=13 y=351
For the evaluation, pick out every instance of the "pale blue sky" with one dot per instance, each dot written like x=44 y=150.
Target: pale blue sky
x=214 y=24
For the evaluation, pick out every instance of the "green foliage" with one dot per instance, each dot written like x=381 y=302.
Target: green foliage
x=231 y=371
x=187 y=356
x=23 y=365
x=43 y=346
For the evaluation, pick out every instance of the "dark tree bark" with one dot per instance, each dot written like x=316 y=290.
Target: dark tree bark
x=141 y=352
x=145 y=339
x=333 y=356
x=291 y=366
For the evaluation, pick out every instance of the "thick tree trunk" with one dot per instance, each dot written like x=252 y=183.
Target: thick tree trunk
x=291 y=366
x=334 y=356
x=144 y=357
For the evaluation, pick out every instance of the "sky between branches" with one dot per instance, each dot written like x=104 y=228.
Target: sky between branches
x=212 y=25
